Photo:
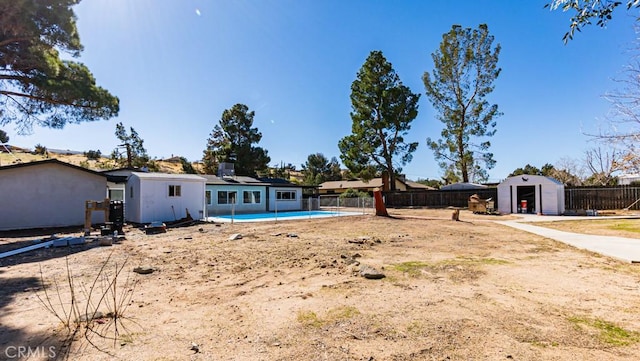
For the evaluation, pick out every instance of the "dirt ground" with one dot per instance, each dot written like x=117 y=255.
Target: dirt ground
x=293 y=290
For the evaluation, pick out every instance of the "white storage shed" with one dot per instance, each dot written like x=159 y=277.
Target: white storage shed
x=531 y=194
x=164 y=197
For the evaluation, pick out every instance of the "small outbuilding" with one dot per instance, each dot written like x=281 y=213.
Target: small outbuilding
x=48 y=193
x=531 y=194
x=164 y=197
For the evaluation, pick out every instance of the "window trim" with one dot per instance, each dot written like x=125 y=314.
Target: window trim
x=227 y=197
x=175 y=190
x=280 y=193
x=253 y=195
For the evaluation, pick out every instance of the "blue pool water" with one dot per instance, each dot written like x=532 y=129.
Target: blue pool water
x=255 y=217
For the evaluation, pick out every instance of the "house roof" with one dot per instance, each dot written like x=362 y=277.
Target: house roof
x=248 y=181
x=149 y=175
x=51 y=161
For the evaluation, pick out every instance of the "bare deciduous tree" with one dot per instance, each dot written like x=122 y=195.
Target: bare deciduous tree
x=603 y=163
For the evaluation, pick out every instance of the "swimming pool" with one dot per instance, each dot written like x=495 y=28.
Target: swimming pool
x=280 y=216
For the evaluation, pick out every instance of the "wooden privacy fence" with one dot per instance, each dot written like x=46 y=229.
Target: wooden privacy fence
x=602 y=198
x=437 y=199
x=575 y=198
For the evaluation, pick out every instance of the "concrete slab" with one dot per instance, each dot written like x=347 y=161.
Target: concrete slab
x=625 y=249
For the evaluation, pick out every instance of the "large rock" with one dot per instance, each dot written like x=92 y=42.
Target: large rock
x=371 y=273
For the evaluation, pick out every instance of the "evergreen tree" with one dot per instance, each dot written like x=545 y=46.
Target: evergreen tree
x=134 y=154
x=382 y=112
x=465 y=67
x=318 y=169
x=36 y=85
x=232 y=140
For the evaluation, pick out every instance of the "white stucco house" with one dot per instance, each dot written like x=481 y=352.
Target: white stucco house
x=163 y=197
x=48 y=193
x=240 y=194
x=531 y=194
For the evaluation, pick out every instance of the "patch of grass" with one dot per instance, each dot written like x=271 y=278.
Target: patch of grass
x=414 y=268
x=334 y=315
x=416 y=328
x=309 y=318
x=608 y=332
x=411 y=267
x=626 y=225
x=341 y=313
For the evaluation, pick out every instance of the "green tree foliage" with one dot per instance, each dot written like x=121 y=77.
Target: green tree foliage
x=547 y=170
x=586 y=11
x=133 y=153
x=4 y=138
x=354 y=193
x=282 y=171
x=36 y=86
x=382 y=112
x=40 y=149
x=318 y=169
x=232 y=141
x=187 y=167
x=93 y=154
x=465 y=67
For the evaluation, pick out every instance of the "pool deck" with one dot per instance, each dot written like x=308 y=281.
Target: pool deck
x=279 y=217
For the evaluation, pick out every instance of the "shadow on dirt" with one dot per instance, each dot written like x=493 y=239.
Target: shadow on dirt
x=16 y=343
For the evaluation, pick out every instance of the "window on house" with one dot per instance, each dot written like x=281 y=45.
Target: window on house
x=175 y=191
x=286 y=195
x=251 y=197
x=227 y=197
x=131 y=192
x=116 y=194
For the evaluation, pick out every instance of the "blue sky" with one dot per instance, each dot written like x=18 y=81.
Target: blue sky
x=177 y=64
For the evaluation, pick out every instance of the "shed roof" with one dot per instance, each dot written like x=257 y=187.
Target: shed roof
x=530 y=179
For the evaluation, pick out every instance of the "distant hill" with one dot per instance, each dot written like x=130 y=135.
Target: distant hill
x=23 y=155
x=171 y=165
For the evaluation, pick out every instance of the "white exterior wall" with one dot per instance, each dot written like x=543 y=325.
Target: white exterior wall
x=48 y=195
x=547 y=191
x=214 y=208
x=282 y=205
x=148 y=197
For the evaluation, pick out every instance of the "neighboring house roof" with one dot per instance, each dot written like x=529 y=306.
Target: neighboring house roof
x=373 y=183
x=353 y=184
x=51 y=161
x=416 y=185
x=462 y=186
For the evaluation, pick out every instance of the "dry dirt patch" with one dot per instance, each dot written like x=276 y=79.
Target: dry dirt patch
x=291 y=290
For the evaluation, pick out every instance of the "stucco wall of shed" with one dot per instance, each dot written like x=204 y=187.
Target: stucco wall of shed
x=549 y=194
x=148 y=199
x=48 y=195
